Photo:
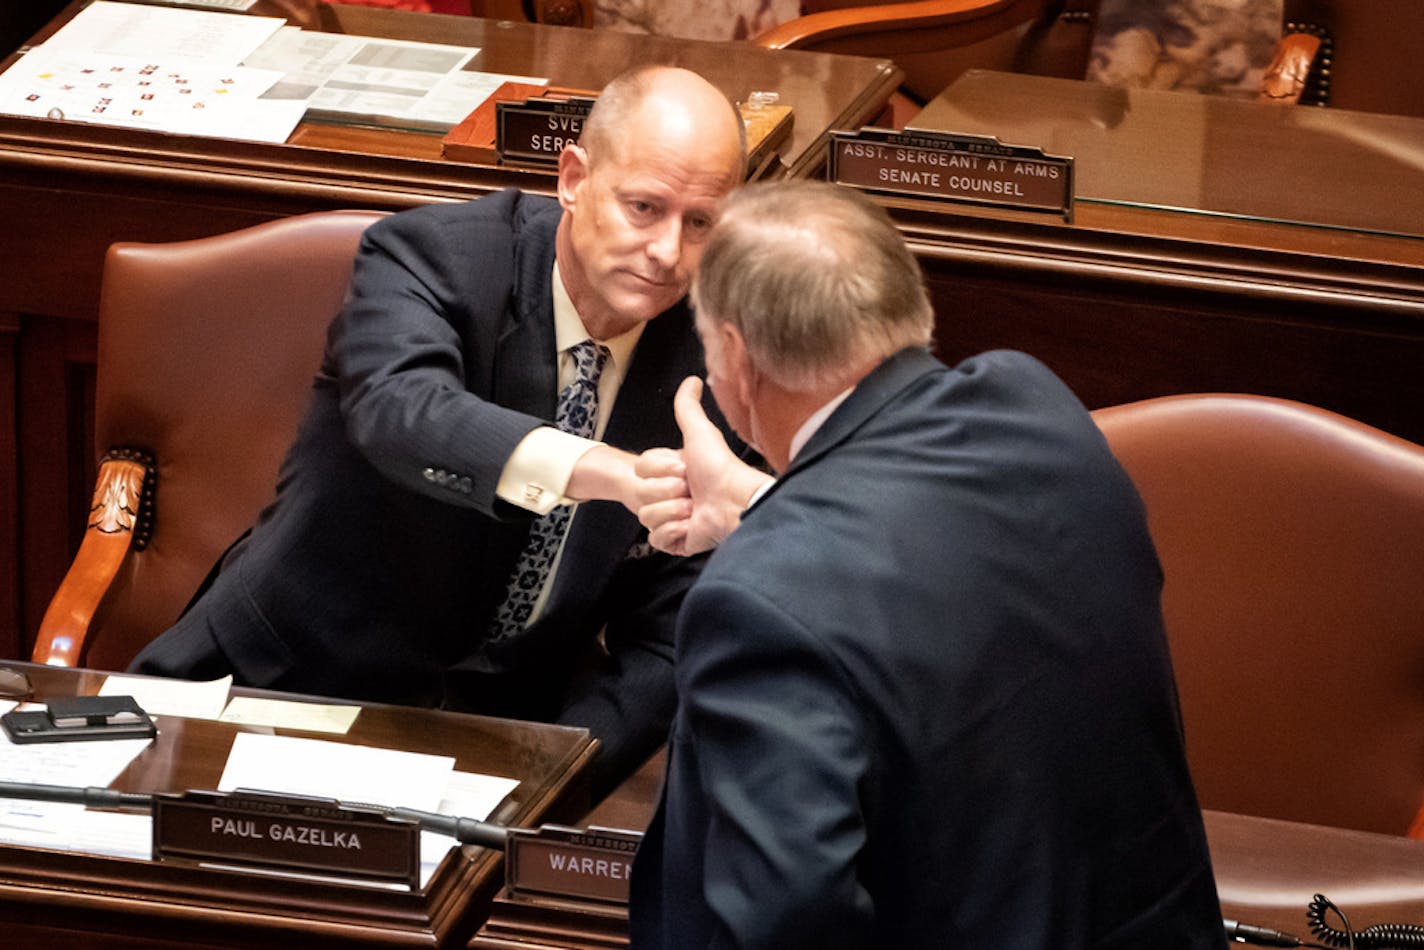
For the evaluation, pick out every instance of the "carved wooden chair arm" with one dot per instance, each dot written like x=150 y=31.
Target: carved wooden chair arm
x=925 y=24
x=120 y=520
x=1285 y=76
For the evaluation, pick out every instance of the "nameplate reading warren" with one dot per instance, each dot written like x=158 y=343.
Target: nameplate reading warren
x=536 y=130
x=590 y=863
x=973 y=169
x=292 y=833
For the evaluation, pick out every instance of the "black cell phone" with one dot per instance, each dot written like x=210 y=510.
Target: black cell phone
x=80 y=718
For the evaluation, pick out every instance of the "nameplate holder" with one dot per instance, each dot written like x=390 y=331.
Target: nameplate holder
x=535 y=131
x=586 y=863
x=288 y=833
x=940 y=166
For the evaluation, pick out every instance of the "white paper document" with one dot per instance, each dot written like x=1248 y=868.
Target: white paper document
x=169 y=697
x=421 y=84
x=161 y=34
x=73 y=764
x=352 y=774
x=286 y=714
x=180 y=97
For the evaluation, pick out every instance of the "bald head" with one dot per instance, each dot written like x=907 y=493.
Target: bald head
x=668 y=94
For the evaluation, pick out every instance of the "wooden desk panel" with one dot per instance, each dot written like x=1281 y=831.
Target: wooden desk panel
x=62 y=900
x=67 y=191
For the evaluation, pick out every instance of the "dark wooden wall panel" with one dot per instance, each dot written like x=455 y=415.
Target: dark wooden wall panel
x=1119 y=341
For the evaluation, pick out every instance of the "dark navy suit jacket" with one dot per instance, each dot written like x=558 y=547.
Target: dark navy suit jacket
x=376 y=571
x=925 y=698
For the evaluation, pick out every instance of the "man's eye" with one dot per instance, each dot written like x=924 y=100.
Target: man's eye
x=698 y=224
x=641 y=209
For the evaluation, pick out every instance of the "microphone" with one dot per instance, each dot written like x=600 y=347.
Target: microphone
x=1261 y=936
x=92 y=796
x=464 y=830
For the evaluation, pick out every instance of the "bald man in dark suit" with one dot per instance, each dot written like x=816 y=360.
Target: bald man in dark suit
x=402 y=560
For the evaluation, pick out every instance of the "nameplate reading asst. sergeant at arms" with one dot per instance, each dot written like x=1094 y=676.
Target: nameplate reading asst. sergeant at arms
x=963 y=168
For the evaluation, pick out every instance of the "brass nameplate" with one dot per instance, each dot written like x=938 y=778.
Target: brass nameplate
x=963 y=168
x=287 y=832
x=592 y=863
x=535 y=131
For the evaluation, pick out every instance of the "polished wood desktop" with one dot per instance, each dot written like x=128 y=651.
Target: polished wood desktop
x=1216 y=245
x=68 y=190
x=67 y=900
x=1267 y=872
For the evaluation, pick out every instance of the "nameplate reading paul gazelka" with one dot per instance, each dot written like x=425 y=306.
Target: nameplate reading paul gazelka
x=972 y=169
x=288 y=832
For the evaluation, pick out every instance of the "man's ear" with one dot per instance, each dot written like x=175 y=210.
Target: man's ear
x=739 y=367
x=573 y=172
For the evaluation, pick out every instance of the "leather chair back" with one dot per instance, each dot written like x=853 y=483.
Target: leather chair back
x=1292 y=546
x=206 y=354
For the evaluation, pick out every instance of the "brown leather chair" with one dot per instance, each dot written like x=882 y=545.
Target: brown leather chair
x=1292 y=546
x=207 y=350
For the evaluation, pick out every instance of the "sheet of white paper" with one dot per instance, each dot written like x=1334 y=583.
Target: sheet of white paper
x=169 y=697
x=74 y=764
x=159 y=33
x=214 y=4
x=177 y=97
x=120 y=834
x=67 y=763
x=312 y=717
x=348 y=773
x=458 y=94
x=358 y=75
x=469 y=795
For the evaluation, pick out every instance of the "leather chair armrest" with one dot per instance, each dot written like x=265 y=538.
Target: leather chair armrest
x=120 y=520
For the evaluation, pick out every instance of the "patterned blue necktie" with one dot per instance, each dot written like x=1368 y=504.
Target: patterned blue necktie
x=578 y=409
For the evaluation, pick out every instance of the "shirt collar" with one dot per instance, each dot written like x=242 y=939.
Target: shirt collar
x=816 y=420
x=569 y=329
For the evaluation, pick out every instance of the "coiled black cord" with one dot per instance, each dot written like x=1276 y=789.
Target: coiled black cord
x=1378 y=937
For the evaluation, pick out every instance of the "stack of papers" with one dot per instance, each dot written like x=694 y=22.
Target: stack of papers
x=227 y=75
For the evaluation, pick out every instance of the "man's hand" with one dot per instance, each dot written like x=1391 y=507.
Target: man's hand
x=718 y=485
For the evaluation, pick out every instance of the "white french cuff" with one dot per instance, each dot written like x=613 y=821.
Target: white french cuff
x=538 y=471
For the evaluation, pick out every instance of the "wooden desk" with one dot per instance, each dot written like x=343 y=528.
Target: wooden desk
x=62 y=900
x=1267 y=871
x=68 y=190
x=1294 y=266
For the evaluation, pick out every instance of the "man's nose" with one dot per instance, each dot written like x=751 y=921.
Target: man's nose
x=665 y=244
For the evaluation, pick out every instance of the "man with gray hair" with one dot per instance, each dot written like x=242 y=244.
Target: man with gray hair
x=925 y=698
